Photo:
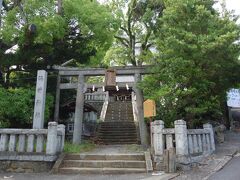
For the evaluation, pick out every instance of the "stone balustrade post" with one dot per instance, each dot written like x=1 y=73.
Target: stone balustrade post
x=209 y=127
x=52 y=140
x=181 y=140
x=61 y=137
x=158 y=144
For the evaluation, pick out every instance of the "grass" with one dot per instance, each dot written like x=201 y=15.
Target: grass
x=78 y=148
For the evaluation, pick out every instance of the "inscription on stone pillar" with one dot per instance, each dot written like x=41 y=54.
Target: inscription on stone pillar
x=110 y=77
x=40 y=96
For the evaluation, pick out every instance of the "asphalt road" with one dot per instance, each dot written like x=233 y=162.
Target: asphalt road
x=230 y=172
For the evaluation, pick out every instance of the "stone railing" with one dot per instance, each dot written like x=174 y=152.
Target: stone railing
x=32 y=144
x=134 y=107
x=96 y=96
x=104 y=107
x=190 y=144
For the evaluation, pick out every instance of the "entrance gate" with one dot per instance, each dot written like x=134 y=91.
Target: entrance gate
x=81 y=86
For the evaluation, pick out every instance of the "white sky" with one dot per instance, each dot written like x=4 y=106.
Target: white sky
x=231 y=5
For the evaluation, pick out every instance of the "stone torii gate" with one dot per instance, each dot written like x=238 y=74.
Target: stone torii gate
x=81 y=74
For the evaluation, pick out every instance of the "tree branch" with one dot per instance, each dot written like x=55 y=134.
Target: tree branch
x=124 y=41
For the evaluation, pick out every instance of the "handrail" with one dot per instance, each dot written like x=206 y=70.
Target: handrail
x=104 y=107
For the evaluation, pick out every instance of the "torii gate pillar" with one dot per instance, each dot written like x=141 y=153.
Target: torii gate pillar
x=77 y=132
x=142 y=125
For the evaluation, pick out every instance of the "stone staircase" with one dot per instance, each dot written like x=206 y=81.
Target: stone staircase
x=118 y=127
x=103 y=164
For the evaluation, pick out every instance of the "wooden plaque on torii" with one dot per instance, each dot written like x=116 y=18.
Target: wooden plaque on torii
x=110 y=78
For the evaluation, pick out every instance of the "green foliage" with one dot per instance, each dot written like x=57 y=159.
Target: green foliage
x=16 y=107
x=86 y=146
x=135 y=36
x=197 y=61
x=82 y=32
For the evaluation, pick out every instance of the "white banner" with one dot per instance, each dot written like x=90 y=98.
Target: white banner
x=233 y=98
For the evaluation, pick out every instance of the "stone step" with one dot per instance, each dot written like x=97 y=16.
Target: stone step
x=117 y=123
x=113 y=124
x=119 y=118
x=121 y=103
x=77 y=156
x=116 y=141
x=104 y=163
x=130 y=111
x=120 y=136
x=124 y=124
x=76 y=170
x=125 y=110
x=117 y=115
x=118 y=129
x=117 y=133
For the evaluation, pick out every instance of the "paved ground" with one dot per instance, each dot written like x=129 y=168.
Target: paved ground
x=44 y=176
x=230 y=172
x=71 y=177
x=117 y=149
x=214 y=163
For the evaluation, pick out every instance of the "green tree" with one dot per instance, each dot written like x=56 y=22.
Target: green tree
x=197 y=61
x=16 y=107
x=82 y=31
x=135 y=37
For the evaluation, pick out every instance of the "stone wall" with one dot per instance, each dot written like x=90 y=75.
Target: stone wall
x=25 y=166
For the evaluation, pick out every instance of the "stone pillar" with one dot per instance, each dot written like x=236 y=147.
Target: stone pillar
x=40 y=143
x=200 y=143
x=57 y=100
x=52 y=141
x=181 y=140
x=4 y=142
x=139 y=100
x=61 y=138
x=210 y=129
x=158 y=142
x=12 y=143
x=77 y=133
x=40 y=96
x=21 y=143
x=30 y=143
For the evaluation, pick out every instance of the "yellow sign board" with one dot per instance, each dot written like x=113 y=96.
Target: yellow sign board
x=149 y=108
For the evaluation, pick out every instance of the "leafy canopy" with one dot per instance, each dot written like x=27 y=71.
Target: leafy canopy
x=197 y=61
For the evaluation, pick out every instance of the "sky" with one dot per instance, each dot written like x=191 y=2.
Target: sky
x=231 y=5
